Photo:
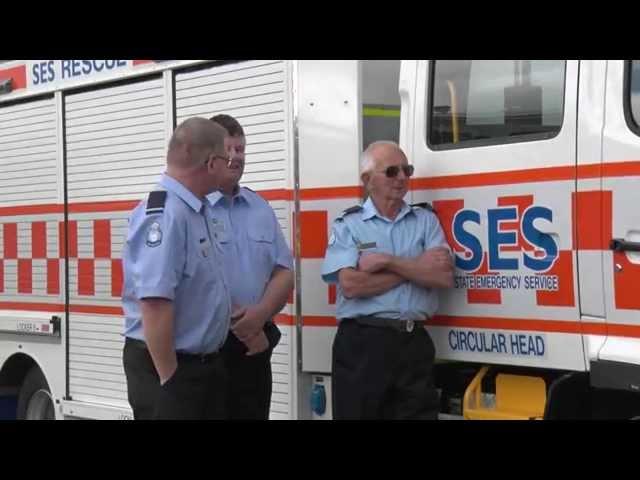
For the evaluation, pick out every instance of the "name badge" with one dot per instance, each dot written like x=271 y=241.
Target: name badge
x=367 y=245
x=218 y=226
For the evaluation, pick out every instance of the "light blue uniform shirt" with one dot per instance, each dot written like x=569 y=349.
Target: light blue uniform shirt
x=414 y=230
x=171 y=253
x=252 y=242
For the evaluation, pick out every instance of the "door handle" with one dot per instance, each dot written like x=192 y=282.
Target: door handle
x=622 y=245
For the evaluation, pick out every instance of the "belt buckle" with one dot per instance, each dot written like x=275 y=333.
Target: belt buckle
x=410 y=325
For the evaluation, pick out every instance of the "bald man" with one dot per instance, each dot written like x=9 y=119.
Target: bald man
x=389 y=260
x=175 y=299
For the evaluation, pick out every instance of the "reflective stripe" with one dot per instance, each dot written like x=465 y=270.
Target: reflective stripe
x=380 y=112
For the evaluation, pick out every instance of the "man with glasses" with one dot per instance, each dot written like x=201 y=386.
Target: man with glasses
x=388 y=259
x=259 y=267
x=175 y=298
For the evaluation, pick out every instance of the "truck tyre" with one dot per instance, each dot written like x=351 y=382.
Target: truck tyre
x=35 y=401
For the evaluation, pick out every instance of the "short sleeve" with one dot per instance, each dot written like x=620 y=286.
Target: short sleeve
x=342 y=252
x=157 y=255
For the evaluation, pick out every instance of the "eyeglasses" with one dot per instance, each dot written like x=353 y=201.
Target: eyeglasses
x=394 y=170
x=226 y=158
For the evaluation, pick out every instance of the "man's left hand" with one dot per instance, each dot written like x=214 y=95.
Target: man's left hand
x=257 y=344
x=249 y=324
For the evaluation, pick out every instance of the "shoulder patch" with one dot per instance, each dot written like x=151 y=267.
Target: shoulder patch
x=425 y=205
x=154 y=235
x=156 y=201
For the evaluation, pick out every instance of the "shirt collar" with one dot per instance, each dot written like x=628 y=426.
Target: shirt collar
x=369 y=210
x=216 y=196
x=181 y=191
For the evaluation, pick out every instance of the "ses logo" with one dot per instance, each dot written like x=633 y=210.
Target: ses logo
x=503 y=226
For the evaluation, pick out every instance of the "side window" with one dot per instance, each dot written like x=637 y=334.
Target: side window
x=380 y=101
x=485 y=102
x=634 y=95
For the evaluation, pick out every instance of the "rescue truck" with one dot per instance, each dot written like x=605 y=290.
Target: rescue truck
x=529 y=164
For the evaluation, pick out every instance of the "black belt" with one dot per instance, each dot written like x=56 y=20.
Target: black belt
x=407 y=326
x=181 y=356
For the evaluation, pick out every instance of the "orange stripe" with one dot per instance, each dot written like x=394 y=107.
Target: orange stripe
x=141 y=62
x=557 y=326
x=547 y=174
x=1 y=275
x=504 y=324
x=30 y=210
x=25 y=275
x=72 y=240
x=313 y=233
x=618 y=330
x=91 y=207
x=281 y=194
x=591 y=219
x=553 y=326
x=593 y=170
x=284 y=319
x=319 y=321
x=531 y=175
x=39 y=240
x=102 y=238
x=62 y=241
x=86 y=207
x=32 y=307
x=86 y=276
x=10 y=240
x=621 y=169
x=116 y=277
x=507 y=323
x=96 y=309
x=332 y=293
x=330 y=192
x=53 y=276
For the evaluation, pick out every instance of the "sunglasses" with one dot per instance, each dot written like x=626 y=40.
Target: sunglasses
x=394 y=170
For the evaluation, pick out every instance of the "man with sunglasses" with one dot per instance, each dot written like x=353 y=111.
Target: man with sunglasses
x=259 y=267
x=388 y=259
x=175 y=298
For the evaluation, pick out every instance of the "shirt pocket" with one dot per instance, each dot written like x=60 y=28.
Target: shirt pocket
x=410 y=240
x=262 y=248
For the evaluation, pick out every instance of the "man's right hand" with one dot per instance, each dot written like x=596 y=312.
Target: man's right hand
x=167 y=372
x=157 y=325
x=438 y=264
x=438 y=258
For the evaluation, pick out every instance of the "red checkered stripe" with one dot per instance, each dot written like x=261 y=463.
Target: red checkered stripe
x=38 y=250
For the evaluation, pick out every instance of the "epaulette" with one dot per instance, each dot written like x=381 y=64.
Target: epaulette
x=347 y=211
x=425 y=205
x=354 y=209
x=156 y=201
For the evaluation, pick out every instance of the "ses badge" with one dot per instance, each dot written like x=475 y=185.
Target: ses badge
x=154 y=235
